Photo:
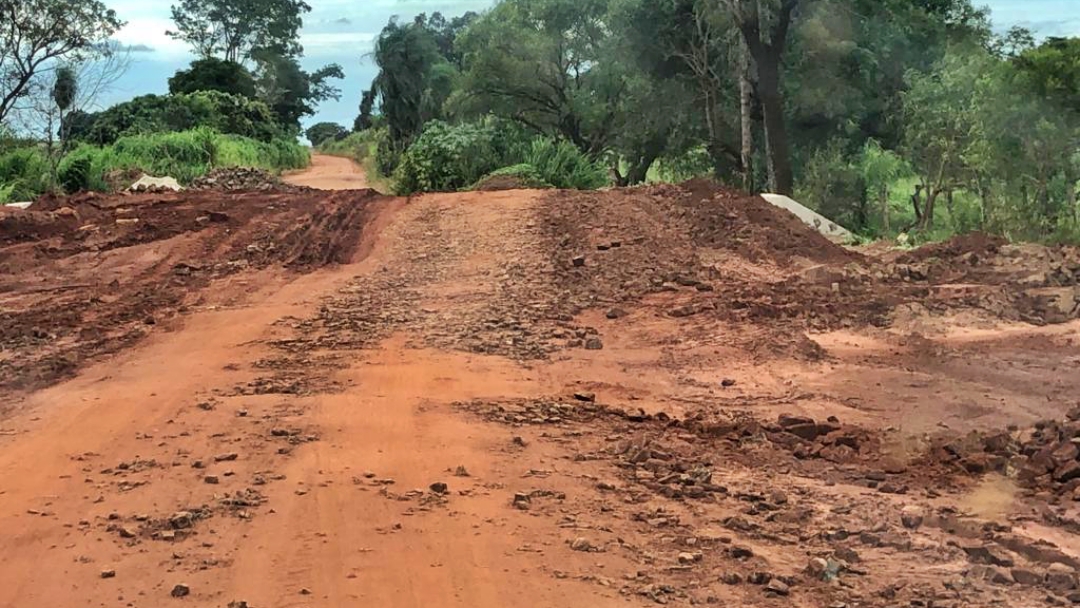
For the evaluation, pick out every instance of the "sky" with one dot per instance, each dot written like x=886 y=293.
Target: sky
x=342 y=32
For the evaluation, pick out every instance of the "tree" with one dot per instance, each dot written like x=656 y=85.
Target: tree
x=291 y=92
x=548 y=65
x=367 y=106
x=234 y=29
x=765 y=33
x=407 y=56
x=942 y=125
x=213 y=74
x=880 y=169
x=1053 y=71
x=34 y=34
x=325 y=131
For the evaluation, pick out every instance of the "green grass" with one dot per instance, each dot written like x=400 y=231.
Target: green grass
x=24 y=173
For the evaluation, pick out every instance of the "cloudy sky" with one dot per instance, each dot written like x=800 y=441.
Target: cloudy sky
x=342 y=31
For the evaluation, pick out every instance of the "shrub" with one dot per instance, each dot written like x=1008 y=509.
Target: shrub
x=185 y=156
x=563 y=165
x=221 y=112
x=447 y=157
x=75 y=175
x=24 y=174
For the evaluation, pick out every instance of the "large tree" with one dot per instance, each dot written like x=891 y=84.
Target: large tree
x=35 y=34
x=291 y=92
x=548 y=65
x=764 y=27
x=234 y=29
x=409 y=64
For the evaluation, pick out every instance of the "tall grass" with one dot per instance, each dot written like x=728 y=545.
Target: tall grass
x=24 y=174
x=185 y=156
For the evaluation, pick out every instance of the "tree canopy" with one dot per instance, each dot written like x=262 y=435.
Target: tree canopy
x=234 y=29
x=37 y=33
x=213 y=74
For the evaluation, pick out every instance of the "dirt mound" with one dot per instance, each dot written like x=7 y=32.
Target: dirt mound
x=974 y=243
x=498 y=183
x=152 y=255
x=239 y=179
x=749 y=225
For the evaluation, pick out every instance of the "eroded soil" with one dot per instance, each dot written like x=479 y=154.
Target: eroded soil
x=672 y=395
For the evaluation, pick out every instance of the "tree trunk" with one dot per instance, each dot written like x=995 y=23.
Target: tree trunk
x=883 y=199
x=772 y=105
x=746 y=107
x=927 y=220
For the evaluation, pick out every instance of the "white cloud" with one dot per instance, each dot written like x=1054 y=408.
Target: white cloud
x=150 y=31
x=337 y=44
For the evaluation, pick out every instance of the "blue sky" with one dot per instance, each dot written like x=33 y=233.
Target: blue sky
x=342 y=31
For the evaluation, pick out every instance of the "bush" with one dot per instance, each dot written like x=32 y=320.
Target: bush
x=24 y=174
x=563 y=165
x=148 y=114
x=184 y=156
x=449 y=157
x=75 y=175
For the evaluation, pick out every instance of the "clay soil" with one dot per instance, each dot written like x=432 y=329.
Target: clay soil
x=664 y=395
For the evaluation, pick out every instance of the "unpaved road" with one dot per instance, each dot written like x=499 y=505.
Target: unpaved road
x=275 y=438
x=331 y=173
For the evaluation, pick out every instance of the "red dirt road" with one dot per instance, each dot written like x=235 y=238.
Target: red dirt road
x=277 y=438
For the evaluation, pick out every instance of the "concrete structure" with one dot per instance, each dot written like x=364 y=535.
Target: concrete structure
x=822 y=224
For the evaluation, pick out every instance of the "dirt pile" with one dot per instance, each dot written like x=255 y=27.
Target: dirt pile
x=240 y=179
x=153 y=255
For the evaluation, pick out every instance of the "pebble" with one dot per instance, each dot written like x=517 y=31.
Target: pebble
x=211 y=479
x=581 y=544
x=108 y=573
x=778 y=587
x=439 y=487
x=181 y=590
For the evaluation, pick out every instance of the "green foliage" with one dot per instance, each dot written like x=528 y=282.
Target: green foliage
x=183 y=155
x=447 y=158
x=526 y=175
x=24 y=174
x=324 y=132
x=75 y=174
x=453 y=157
x=563 y=165
x=551 y=65
x=291 y=92
x=233 y=29
x=213 y=74
x=37 y=33
x=1052 y=70
x=359 y=146
x=161 y=114
x=412 y=79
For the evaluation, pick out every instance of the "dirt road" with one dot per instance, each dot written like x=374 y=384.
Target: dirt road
x=516 y=399
x=331 y=173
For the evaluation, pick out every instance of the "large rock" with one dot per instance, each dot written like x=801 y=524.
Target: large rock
x=147 y=183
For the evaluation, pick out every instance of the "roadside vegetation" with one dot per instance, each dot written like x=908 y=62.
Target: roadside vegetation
x=888 y=116
x=912 y=117
x=240 y=103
